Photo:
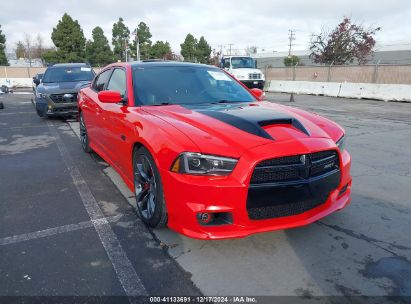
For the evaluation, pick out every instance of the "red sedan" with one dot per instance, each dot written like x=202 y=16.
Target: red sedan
x=206 y=156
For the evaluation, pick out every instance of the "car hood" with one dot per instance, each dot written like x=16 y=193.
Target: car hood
x=61 y=87
x=231 y=129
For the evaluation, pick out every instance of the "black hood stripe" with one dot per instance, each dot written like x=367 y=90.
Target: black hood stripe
x=248 y=118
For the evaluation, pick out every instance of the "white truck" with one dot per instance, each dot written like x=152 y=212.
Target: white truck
x=244 y=68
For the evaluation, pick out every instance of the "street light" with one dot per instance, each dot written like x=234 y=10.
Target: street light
x=137 y=45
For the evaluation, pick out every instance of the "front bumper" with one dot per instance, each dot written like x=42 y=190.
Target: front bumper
x=49 y=108
x=254 y=83
x=186 y=195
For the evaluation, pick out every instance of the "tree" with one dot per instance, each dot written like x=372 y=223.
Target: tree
x=69 y=40
x=160 y=49
x=251 y=50
x=3 y=58
x=215 y=58
x=203 y=51
x=38 y=48
x=98 y=51
x=28 y=45
x=144 y=38
x=20 y=50
x=346 y=43
x=121 y=35
x=291 y=60
x=172 y=56
x=51 y=56
x=188 y=48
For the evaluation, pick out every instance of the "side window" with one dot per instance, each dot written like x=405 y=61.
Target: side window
x=101 y=81
x=227 y=63
x=118 y=82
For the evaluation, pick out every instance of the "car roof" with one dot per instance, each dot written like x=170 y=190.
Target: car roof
x=152 y=63
x=68 y=65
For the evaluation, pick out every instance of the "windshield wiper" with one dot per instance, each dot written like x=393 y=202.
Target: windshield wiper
x=161 y=104
x=227 y=101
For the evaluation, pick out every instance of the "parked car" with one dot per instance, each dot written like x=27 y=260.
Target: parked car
x=206 y=156
x=56 y=95
x=37 y=80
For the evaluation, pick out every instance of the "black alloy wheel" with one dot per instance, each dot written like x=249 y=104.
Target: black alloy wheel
x=148 y=190
x=84 y=135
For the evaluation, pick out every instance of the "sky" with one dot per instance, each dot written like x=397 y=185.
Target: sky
x=261 y=23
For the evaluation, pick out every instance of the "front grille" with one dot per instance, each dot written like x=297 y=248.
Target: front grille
x=283 y=174
x=291 y=185
x=288 y=160
x=322 y=154
x=65 y=109
x=64 y=98
x=254 y=76
x=281 y=210
x=294 y=168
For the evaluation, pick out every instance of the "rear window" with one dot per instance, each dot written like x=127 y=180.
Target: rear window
x=68 y=74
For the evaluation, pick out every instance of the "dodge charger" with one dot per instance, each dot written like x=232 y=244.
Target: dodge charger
x=206 y=156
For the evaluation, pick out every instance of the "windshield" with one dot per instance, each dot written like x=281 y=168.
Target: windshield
x=68 y=74
x=242 y=62
x=156 y=85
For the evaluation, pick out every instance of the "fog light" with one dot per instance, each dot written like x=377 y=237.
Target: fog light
x=343 y=190
x=214 y=218
x=205 y=218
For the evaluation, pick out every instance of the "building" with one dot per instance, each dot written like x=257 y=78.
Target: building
x=23 y=62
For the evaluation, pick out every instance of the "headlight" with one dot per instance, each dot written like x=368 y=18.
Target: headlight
x=341 y=143
x=41 y=95
x=196 y=163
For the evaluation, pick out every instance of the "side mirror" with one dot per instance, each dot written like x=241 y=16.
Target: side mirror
x=36 y=81
x=110 y=96
x=259 y=94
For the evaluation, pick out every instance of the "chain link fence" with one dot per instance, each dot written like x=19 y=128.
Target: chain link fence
x=378 y=73
x=25 y=72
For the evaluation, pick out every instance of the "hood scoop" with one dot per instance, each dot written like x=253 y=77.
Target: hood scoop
x=285 y=121
x=252 y=119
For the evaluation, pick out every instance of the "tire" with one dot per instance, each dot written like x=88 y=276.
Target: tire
x=84 y=139
x=1 y=105
x=148 y=190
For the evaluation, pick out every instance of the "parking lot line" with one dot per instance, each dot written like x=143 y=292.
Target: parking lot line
x=125 y=271
x=57 y=230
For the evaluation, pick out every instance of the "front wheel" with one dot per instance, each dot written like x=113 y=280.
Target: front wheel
x=85 y=142
x=148 y=190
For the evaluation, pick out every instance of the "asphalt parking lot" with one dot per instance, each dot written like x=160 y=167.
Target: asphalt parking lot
x=65 y=229
x=66 y=226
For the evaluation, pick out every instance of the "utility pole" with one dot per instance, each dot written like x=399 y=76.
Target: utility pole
x=230 y=44
x=137 y=45
x=125 y=49
x=291 y=38
x=220 y=46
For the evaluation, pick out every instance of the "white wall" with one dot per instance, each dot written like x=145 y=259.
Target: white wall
x=387 y=92
x=17 y=82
